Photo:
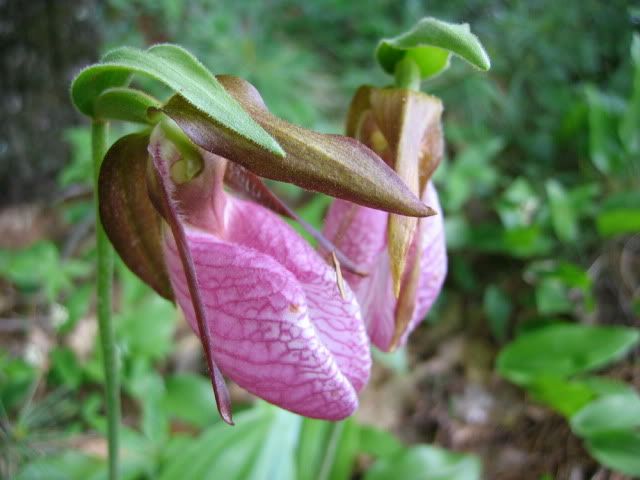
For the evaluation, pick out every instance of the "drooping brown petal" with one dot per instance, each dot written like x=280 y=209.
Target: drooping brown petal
x=130 y=220
x=403 y=126
x=161 y=186
x=332 y=164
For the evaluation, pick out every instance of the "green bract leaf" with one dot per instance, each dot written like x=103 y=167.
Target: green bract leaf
x=331 y=164
x=611 y=412
x=430 y=44
x=563 y=350
x=180 y=71
x=126 y=104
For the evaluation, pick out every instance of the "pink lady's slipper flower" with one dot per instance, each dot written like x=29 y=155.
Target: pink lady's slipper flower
x=405 y=257
x=271 y=313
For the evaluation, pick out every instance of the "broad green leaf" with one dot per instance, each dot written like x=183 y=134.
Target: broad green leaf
x=618 y=450
x=563 y=217
x=563 y=350
x=426 y=463
x=610 y=412
x=260 y=446
x=219 y=452
x=184 y=74
x=430 y=44
x=126 y=104
x=276 y=458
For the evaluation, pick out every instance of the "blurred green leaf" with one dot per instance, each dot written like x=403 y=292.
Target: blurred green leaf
x=497 y=308
x=146 y=328
x=630 y=125
x=426 y=463
x=610 y=412
x=563 y=216
x=430 y=43
x=552 y=297
x=564 y=396
x=618 y=450
x=189 y=398
x=618 y=221
x=518 y=204
x=70 y=465
x=378 y=443
x=65 y=367
x=16 y=377
x=604 y=114
x=245 y=451
x=40 y=265
x=563 y=350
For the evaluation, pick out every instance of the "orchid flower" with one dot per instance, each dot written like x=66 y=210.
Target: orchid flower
x=405 y=257
x=273 y=315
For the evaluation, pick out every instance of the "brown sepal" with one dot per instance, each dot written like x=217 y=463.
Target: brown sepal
x=331 y=164
x=129 y=218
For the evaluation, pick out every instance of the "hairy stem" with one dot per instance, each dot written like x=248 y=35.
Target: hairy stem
x=103 y=295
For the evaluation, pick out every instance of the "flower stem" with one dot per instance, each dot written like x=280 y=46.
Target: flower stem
x=407 y=74
x=103 y=290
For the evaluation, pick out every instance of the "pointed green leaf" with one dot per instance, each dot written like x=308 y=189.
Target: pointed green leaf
x=331 y=164
x=430 y=44
x=130 y=220
x=178 y=70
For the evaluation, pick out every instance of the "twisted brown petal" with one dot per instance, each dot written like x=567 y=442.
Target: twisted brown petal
x=332 y=164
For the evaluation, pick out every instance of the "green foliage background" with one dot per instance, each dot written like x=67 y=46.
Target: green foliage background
x=540 y=190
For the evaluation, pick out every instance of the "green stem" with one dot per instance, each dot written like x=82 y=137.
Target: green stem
x=103 y=289
x=330 y=453
x=407 y=74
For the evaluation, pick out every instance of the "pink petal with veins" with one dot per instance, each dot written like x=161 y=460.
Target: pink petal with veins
x=360 y=233
x=280 y=326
